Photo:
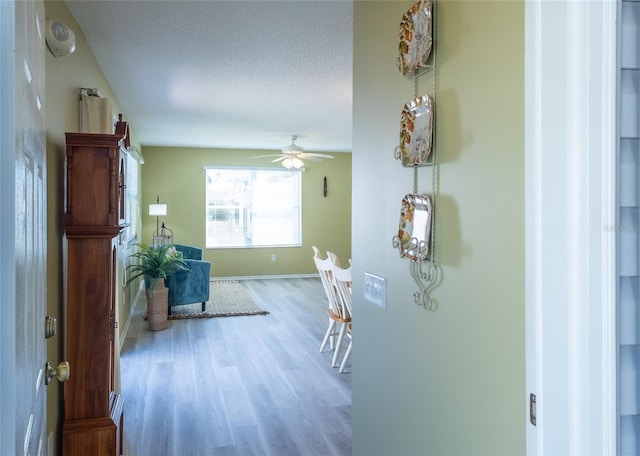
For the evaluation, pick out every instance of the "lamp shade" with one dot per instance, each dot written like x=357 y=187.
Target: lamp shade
x=157 y=209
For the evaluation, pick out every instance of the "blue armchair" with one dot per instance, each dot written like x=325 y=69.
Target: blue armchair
x=188 y=287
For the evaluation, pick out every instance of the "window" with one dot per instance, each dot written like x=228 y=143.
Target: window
x=133 y=159
x=253 y=207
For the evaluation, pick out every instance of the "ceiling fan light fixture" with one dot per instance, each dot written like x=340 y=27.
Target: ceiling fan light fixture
x=292 y=162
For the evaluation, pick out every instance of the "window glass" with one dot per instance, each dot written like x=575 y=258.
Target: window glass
x=132 y=204
x=252 y=207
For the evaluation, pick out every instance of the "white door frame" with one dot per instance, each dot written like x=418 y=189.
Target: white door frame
x=7 y=230
x=570 y=208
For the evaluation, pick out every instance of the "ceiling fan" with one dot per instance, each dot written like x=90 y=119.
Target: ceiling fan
x=293 y=154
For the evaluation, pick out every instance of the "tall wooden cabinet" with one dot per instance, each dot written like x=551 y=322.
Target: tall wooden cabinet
x=94 y=217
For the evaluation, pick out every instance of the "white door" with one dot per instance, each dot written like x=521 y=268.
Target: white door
x=570 y=215
x=23 y=231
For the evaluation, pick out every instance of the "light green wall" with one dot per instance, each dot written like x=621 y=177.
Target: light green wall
x=64 y=76
x=177 y=175
x=451 y=381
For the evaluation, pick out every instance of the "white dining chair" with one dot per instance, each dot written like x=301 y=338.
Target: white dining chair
x=334 y=258
x=325 y=270
x=342 y=283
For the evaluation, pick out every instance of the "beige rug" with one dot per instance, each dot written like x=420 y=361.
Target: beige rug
x=227 y=298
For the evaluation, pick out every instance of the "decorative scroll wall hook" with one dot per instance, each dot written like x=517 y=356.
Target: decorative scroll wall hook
x=426 y=280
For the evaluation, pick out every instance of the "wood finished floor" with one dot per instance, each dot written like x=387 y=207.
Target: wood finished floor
x=254 y=385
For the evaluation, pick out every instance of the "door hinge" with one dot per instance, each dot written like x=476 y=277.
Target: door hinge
x=532 y=408
x=50 y=327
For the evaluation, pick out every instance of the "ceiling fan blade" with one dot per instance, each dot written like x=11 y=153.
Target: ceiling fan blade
x=279 y=159
x=266 y=156
x=312 y=154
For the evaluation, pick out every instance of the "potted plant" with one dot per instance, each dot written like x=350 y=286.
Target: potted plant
x=155 y=263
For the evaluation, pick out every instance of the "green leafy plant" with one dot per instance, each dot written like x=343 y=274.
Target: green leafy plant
x=156 y=263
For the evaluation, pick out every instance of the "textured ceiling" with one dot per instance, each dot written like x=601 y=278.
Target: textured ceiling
x=229 y=74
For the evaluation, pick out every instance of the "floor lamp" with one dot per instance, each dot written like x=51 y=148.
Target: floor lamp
x=159 y=237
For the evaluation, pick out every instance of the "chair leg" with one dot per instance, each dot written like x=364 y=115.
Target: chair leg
x=327 y=335
x=203 y=303
x=347 y=355
x=336 y=352
x=169 y=310
x=332 y=336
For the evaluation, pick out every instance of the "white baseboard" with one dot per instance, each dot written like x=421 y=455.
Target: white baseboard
x=139 y=294
x=267 y=277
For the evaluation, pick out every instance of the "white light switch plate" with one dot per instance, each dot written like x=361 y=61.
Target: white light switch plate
x=375 y=290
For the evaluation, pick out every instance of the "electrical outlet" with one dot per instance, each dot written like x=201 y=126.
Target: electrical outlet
x=273 y=257
x=375 y=290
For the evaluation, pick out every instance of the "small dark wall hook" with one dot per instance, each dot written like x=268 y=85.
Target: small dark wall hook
x=325 y=188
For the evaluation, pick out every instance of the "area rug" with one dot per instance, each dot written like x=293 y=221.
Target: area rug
x=227 y=298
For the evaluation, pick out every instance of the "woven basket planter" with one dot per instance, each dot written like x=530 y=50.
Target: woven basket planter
x=157 y=305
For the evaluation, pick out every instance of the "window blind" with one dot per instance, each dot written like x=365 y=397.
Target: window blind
x=628 y=228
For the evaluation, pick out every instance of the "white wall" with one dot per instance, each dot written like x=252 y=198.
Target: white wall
x=450 y=381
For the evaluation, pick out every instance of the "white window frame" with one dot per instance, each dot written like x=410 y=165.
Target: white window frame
x=133 y=159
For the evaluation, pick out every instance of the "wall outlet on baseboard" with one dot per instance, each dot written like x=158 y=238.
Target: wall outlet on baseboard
x=273 y=257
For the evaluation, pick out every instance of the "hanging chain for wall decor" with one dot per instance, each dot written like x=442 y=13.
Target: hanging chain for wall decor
x=416 y=231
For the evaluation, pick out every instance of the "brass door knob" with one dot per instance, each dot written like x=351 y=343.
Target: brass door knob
x=62 y=372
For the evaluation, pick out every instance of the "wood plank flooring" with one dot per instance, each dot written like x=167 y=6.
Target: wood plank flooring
x=254 y=385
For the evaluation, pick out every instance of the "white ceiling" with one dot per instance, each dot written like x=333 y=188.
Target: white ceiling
x=227 y=74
